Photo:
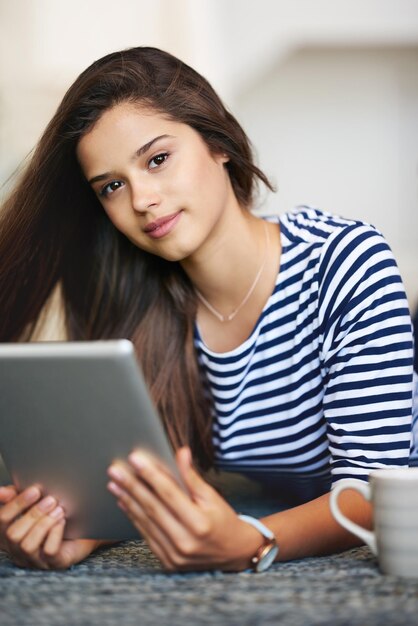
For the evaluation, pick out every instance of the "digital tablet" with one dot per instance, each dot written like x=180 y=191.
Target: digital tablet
x=67 y=410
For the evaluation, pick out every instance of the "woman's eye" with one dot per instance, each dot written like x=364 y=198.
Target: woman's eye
x=157 y=160
x=111 y=187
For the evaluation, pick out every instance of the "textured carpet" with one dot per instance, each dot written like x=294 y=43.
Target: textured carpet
x=125 y=585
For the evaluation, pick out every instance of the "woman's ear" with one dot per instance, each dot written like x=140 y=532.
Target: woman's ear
x=221 y=157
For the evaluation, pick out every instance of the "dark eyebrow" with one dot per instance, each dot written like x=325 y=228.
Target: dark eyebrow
x=148 y=145
x=138 y=153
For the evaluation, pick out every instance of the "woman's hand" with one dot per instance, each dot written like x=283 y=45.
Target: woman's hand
x=32 y=531
x=193 y=531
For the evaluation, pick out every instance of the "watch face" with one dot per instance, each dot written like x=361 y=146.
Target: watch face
x=267 y=559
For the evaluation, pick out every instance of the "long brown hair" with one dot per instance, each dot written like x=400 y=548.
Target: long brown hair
x=53 y=231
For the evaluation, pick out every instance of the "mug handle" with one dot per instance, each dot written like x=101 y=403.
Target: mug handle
x=363 y=488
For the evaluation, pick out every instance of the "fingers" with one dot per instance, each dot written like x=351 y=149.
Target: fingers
x=145 y=509
x=156 y=476
x=32 y=532
x=185 y=532
x=42 y=515
x=160 y=509
x=54 y=540
x=18 y=505
x=197 y=487
x=154 y=537
x=155 y=522
x=29 y=547
x=32 y=544
x=25 y=522
x=7 y=493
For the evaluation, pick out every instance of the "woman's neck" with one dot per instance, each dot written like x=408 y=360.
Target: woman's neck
x=227 y=272
x=225 y=267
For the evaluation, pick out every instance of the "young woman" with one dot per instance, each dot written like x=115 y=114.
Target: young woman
x=280 y=348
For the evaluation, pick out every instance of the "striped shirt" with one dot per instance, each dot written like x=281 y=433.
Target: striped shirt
x=322 y=388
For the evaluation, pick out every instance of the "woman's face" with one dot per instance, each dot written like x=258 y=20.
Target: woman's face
x=156 y=179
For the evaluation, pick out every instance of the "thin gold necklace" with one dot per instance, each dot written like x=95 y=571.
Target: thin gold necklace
x=230 y=317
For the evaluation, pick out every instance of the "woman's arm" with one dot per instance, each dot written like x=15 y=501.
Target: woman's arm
x=311 y=530
x=199 y=530
x=366 y=357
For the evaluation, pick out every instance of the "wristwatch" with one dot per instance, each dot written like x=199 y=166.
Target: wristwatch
x=265 y=555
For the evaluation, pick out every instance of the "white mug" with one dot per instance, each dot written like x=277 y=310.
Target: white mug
x=394 y=496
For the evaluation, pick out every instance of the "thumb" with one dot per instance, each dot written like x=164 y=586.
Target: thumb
x=7 y=493
x=197 y=487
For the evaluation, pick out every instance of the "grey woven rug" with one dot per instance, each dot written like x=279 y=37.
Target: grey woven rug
x=125 y=585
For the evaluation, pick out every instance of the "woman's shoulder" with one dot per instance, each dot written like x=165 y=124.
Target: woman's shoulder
x=312 y=225
x=330 y=242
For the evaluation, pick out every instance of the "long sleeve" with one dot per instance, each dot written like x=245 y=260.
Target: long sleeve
x=366 y=353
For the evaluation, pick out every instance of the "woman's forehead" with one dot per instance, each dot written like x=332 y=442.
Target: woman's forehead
x=126 y=116
x=122 y=122
x=126 y=129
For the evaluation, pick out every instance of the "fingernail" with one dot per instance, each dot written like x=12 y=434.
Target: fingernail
x=138 y=460
x=47 y=503
x=57 y=512
x=113 y=487
x=116 y=473
x=31 y=494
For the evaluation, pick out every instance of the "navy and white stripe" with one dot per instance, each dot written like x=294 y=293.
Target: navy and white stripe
x=323 y=386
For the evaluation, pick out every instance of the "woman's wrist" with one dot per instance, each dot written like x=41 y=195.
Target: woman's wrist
x=247 y=541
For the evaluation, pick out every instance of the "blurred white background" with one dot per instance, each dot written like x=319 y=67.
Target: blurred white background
x=327 y=90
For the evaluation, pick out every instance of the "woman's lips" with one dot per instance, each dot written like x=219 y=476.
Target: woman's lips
x=162 y=226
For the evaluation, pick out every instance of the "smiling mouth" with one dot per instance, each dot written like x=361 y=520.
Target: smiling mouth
x=162 y=226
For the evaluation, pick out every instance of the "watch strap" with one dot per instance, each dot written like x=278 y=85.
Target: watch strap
x=266 y=532
x=267 y=553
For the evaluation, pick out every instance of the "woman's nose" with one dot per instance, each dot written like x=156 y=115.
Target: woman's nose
x=144 y=196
